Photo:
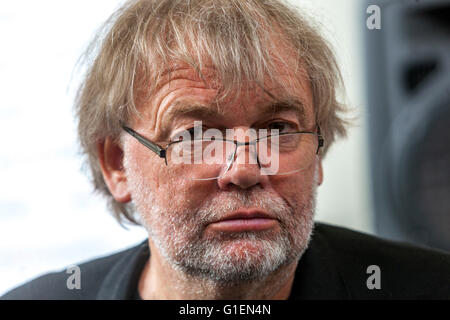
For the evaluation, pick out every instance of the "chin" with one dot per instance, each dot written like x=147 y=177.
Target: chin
x=239 y=260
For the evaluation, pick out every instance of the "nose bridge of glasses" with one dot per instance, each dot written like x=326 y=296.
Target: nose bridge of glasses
x=243 y=138
x=240 y=155
x=239 y=164
x=245 y=143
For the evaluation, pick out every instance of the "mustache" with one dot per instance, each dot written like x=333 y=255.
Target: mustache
x=220 y=206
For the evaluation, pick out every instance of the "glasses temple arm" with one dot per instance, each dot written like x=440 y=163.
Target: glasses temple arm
x=152 y=146
x=321 y=140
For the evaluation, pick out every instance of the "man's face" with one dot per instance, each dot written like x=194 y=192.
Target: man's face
x=181 y=214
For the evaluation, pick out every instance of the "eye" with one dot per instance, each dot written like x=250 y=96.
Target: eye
x=281 y=126
x=193 y=133
x=196 y=132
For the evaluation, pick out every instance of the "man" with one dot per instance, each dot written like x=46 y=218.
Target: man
x=206 y=121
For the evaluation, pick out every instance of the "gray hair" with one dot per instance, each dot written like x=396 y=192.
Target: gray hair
x=134 y=48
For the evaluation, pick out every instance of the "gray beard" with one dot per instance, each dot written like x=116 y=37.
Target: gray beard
x=180 y=239
x=212 y=258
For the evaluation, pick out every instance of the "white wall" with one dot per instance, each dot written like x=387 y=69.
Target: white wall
x=48 y=215
x=344 y=197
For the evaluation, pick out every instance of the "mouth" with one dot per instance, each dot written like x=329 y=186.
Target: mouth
x=245 y=220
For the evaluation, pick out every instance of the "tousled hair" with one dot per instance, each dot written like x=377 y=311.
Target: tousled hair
x=137 y=44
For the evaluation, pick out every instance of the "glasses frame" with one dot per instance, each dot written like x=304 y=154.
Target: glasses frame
x=162 y=151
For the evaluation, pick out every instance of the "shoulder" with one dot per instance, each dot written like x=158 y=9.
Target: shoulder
x=53 y=286
x=405 y=270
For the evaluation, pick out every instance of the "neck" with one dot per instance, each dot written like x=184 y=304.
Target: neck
x=159 y=280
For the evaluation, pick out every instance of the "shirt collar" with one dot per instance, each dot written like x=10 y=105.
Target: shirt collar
x=317 y=276
x=122 y=280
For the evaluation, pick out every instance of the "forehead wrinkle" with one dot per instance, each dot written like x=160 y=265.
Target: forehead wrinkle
x=156 y=106
x=184 y=108
x=180 y=108
x=183 y=69
x=281 y=101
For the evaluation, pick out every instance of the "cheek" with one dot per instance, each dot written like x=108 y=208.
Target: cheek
x=170 y=187
x=296 y=189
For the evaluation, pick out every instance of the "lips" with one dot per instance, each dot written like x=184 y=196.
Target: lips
x=245 y=220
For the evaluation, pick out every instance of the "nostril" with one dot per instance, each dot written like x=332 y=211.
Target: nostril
x=239 y=187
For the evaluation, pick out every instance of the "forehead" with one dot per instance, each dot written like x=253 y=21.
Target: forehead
x=279 y=85
x=204 y=83
x=186 y=89
x=274 y=66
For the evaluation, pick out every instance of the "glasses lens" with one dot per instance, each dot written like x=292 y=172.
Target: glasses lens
x=286 y=154
x=210 y=159
x=200 y=159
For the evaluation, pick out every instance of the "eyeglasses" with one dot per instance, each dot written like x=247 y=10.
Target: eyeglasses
x=207 y=158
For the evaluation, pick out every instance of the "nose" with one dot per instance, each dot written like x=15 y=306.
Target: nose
x=244 y=171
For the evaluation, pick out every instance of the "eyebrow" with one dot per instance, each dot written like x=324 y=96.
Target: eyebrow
x=189 y=109
x=199 y=110
x=285 y=105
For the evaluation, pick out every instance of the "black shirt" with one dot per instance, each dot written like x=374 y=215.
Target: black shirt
x=333 y=267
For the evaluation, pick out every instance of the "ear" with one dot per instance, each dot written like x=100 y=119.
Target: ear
x=111 y=162
x=319 y=173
